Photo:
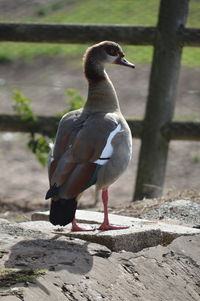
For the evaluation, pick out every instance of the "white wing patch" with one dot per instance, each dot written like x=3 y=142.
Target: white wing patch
x=108 y=149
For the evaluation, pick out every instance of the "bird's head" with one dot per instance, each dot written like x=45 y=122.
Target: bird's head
x=107 y=52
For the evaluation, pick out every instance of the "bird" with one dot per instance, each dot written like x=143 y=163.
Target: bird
x=93 y=145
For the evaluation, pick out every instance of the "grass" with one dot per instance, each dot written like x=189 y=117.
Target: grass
x=193 y=117
x=10 y=277
x=96 y=12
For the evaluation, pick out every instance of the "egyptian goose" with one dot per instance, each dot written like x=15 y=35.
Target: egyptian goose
x=93 y=145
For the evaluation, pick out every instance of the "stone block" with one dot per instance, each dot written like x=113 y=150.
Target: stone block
x=140 y=234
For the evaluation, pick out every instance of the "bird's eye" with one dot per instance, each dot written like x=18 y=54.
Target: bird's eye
x=111 y=51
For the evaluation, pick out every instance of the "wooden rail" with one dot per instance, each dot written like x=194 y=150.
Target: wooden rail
x=80 y=33
x=48 y=125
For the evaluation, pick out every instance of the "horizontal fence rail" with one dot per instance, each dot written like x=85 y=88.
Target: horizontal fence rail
x=80 y=33
x=48 y=125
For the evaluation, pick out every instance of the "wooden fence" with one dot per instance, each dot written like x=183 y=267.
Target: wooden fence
x=157 y=128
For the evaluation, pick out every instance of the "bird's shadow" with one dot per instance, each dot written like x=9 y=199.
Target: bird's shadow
x=51 y=255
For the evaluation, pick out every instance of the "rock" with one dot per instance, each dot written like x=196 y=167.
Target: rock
x=140 y=234
x=184 y=211
x=61 y=268
x=15 y=229
x=9 y=298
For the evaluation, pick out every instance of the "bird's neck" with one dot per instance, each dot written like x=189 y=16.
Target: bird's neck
x=101 y=92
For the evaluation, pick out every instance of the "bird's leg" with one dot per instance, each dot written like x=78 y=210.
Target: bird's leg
x=106 y=225
x=76 y=227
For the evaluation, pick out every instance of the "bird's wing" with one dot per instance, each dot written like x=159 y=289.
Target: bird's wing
x=81 y=147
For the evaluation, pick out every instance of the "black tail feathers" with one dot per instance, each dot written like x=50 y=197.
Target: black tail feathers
x=53 y=191
x=62 y=211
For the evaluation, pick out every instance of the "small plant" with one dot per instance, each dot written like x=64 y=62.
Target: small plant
x=195 y=157
x=74 y=102
x=39 y=144
x=47 y=9
x=21 y=106
x=5 y=58
x=10 y=277
x=41 y=12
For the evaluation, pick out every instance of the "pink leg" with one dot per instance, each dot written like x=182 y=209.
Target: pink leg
x=76 y=228
x=106 y=225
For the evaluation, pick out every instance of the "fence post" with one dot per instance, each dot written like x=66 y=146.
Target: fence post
x=161 y=98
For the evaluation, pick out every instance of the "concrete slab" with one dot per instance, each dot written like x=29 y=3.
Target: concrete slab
x=140 y=234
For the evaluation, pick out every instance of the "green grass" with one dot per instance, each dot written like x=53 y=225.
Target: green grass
x=106 y=12
x=193 y=117
x=10 y=277
x=133 y=12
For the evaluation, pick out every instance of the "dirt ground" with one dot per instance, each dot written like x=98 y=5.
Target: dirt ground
x=23 y=182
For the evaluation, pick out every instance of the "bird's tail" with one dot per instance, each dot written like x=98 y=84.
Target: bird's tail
x=62 y=211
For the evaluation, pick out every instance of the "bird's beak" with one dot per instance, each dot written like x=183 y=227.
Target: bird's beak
x=122 y=61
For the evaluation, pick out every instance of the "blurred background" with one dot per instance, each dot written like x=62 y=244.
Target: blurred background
x=44 y=72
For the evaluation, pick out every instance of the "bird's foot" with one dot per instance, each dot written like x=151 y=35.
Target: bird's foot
x=77 y=228
x=106 y=226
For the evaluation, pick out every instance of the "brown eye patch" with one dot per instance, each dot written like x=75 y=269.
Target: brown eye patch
x=111 y=50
